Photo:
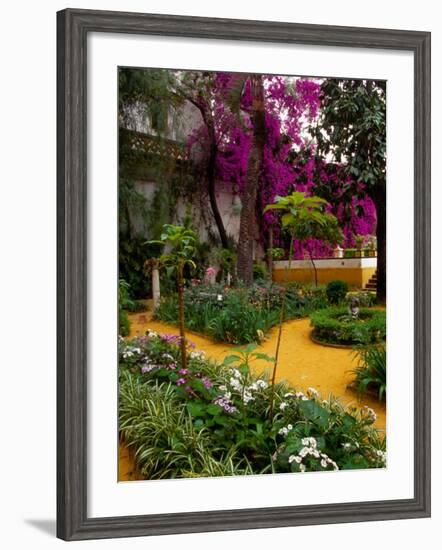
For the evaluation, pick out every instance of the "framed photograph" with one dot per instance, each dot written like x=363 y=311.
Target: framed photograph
x=243 y=268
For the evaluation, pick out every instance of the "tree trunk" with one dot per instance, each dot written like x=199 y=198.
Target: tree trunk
x=314 y=268
x=269 y=255
x=249 y=195
x=210 y=175
x=180 y=280
x=379 y=199
x=212 y=197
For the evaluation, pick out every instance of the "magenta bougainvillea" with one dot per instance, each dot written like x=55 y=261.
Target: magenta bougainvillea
x=289 y=162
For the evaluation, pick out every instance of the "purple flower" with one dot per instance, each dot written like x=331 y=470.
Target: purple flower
x=207 y=382
x=181 y=381
x=225 y=403
x=170 y=338
x=183 y=371
x=147 y=368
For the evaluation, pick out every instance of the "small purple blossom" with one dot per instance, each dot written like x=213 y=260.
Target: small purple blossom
x=183 y=371
x=170 y=338
x=225 y=403
x=207 y=382
x=147 y=368
x=181 y=381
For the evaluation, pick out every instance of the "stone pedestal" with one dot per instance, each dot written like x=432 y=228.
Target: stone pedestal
x=156 y=287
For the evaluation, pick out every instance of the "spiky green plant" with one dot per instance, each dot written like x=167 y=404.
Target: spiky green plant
x=371 y=371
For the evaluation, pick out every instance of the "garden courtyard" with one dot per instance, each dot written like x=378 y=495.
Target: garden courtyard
x=252 y=300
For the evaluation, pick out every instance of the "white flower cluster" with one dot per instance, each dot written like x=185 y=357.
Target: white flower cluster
x=383 y=456
x=311 y=394
x=368 y=414
x=130 y=352
x=197 y=355
x=236 y=384
x=300 y=395
x=310 y=449
x=285 y=430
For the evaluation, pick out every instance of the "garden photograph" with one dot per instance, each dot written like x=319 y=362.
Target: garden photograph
x=251 y=274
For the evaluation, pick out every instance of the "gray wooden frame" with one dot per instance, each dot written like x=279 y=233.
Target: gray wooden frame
x=73 y=27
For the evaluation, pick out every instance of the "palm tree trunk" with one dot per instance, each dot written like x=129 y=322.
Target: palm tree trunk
x=250 y=193
x=180 y=280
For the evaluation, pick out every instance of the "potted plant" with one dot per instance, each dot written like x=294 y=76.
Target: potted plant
x=372 y=245
x=349 y=253
x=359 y=241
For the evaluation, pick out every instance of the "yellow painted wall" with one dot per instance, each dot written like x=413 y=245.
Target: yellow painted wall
x=354 y=276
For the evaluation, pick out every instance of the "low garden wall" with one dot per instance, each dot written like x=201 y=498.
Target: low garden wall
x=354 y=271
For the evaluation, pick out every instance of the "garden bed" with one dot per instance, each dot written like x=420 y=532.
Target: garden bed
x=240 y=315
x=334 y=326
x=214 y=419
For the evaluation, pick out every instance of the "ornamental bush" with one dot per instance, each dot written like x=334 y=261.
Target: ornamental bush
x=240 y=315
x=336 y=291
x=335 y=326
x=123 y=323
x=213 y=419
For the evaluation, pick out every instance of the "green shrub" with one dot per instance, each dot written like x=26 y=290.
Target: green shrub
x=123 y=323
x=335 y=326
x=132 y=253
x=371 y=371
x=336 y=291
x=259 y=272
x=349 y=252
x=213 y=419
x=366 y=298
x=124 y=303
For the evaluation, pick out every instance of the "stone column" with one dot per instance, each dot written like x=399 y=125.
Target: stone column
x=155 y=285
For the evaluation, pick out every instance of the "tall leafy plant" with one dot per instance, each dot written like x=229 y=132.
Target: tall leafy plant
x=304 y=218
x=180 y=243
